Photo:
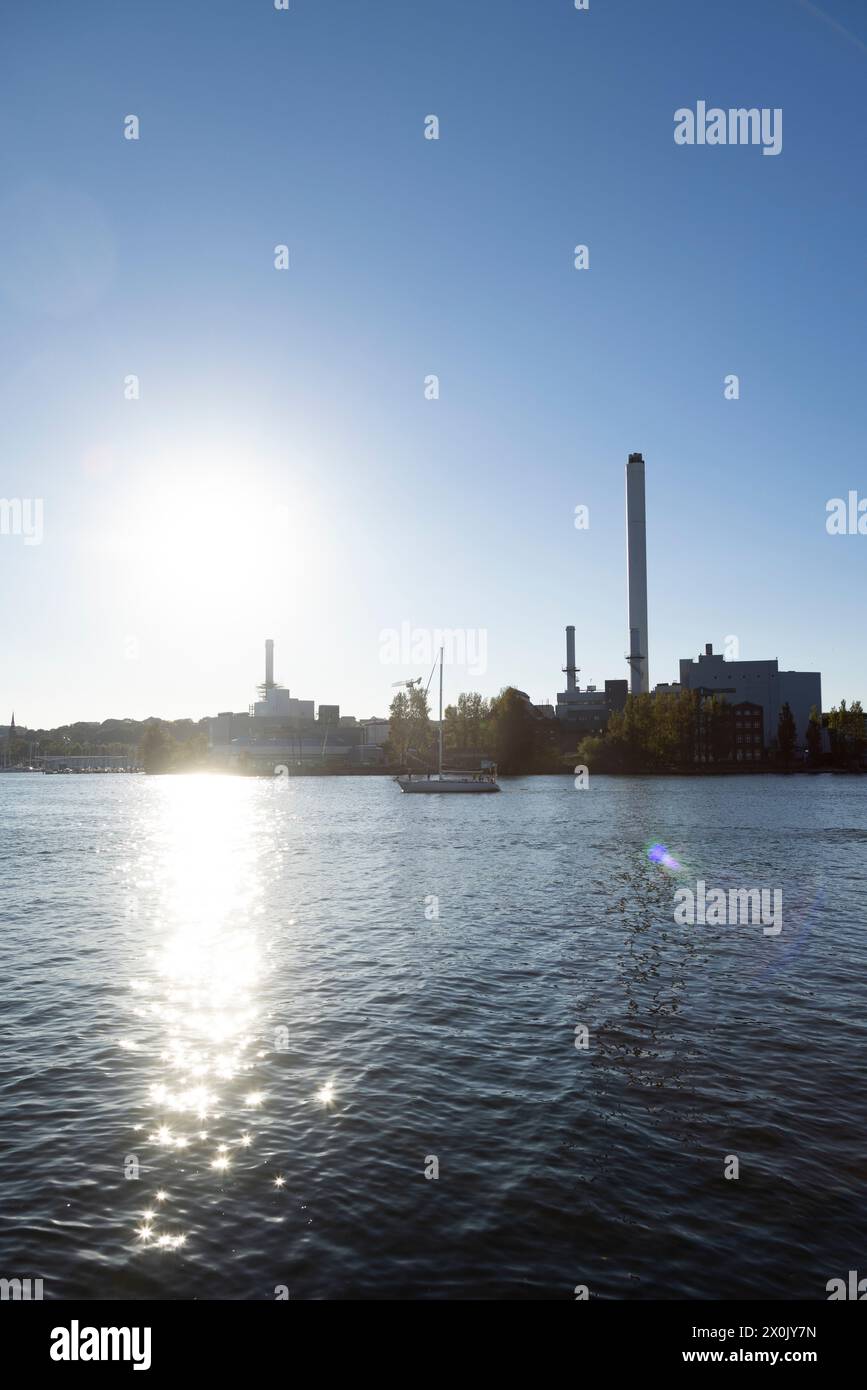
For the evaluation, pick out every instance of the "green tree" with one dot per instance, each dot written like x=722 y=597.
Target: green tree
x=192 y=754
x=786 y=733
x=686 y=721
x=156 y=748
x=857 y=738
x=419 y=731
x=814 y=737
x=632 y=729
x=465 y=723
x=514 y=734
x=398 y=727
x=846 y=730
x=837 y=719
x=664 y=729
x=599 y=753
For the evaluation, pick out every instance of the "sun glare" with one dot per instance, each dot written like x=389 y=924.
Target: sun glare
x=223 y=533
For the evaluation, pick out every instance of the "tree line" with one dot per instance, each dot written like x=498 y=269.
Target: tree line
x=684 y=728
x=163 y=744
x=668 y=730
x=505 y=729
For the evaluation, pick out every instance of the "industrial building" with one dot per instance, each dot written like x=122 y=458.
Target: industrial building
x=274 y=701
x=759 y=683
x=280 y=730
x=752 y=687
x=587 y=711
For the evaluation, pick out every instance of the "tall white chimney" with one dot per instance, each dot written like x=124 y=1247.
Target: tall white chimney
x=636 y=575
x=269 y=663
x=570 y=667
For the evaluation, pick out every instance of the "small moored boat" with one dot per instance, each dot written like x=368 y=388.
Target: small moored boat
x=443 y=780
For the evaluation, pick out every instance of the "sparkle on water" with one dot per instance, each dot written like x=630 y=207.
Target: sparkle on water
x=197 y=983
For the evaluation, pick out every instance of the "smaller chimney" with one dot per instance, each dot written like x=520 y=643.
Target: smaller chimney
x=708 y=648
x=269 y=663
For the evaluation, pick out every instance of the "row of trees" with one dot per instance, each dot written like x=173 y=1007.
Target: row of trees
x=663 y=730
x=506 y=729
x=117 y=736
x=651 y=732
x=671 y=730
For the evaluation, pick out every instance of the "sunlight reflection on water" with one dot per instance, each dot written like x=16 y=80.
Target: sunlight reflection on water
x=198 y=998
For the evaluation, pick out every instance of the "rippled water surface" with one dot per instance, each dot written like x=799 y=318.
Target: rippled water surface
x=239 y=991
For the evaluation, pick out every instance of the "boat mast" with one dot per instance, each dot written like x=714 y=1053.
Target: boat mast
x=441 y=651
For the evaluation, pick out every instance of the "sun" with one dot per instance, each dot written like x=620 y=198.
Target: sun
x=214 y=537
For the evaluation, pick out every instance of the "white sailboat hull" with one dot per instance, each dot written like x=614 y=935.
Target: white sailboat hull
x=442 y=784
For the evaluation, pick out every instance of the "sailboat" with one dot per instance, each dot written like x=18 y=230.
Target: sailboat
x=442 y=780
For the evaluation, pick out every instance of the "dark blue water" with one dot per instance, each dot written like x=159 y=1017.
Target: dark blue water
x=235 y=1036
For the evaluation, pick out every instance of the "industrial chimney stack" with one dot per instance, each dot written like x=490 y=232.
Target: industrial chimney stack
x=269 y=664
x=570 y=667
x=636 y=575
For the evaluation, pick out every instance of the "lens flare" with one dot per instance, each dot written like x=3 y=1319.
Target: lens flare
x=658 y=854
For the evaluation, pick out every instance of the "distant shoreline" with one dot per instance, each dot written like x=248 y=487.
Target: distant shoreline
x=725 y=771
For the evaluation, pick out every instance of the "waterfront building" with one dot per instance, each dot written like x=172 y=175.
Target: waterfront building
x=374 y=732
x=757 y=682
x=586 y=711
x=732 y=733
x=280 y=730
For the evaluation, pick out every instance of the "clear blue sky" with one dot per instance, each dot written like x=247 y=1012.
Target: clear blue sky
x=282 y=474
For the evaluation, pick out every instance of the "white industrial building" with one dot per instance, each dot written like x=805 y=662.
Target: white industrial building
x=279 y=704
x=279 y=729
x=274 y=701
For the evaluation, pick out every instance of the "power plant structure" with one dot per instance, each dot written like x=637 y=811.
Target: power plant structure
x=279 y=730
x=756 y=690
x=589 y=709
x=275 y=702
x=760 y=682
